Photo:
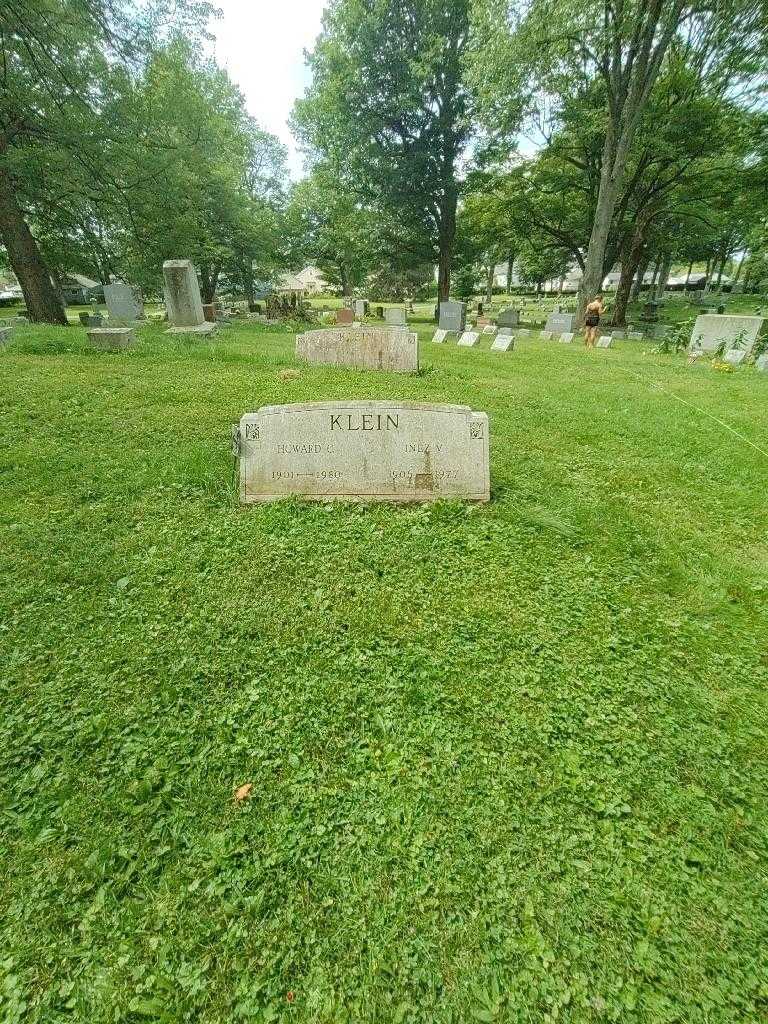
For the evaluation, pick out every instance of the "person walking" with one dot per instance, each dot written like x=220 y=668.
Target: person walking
x=593 y=312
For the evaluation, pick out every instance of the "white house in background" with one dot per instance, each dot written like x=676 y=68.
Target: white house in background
x=309 y=281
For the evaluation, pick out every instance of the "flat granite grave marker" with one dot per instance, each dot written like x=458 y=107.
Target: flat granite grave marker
x=604 y=341
x=112 y=339
x=503 y=343
x=363 y=451
x=395 y=316
x=439 y=336
x=566 y=337
x=123 y=305
x=182 y=299
x=711 y=330
x=734 y=356
x=635 y=335
x=559 y=322
x=469 y=339
x=489 y=329
x=363 y=346
x=524 y=333
x=545 y=335
x=453 y=316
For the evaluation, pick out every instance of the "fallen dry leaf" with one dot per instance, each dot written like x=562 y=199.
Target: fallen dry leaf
x=289 y=375
x=243 y=792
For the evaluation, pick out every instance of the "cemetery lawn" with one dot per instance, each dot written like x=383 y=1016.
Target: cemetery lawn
x=508 y=762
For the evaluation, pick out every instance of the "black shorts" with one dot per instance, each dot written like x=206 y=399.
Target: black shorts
x=592 y=320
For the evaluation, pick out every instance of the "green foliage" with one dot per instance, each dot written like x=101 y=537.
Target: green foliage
x=508 y=763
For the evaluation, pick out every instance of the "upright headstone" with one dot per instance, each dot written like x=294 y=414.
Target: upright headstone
x=453 y=316
x=123 y=305
x=559 y=322
x=566 y=337
x=734 y=356
x=761 y=363
x=635 y=335
x=508 y=318
x=469 y=338
x=439 y=336
x=361 y=308
x=111 y=338
x=604 y=341
x=344 y=316
x=363 y=451
x=5 y=335
x=395 y=316
x=209 y=312
x=489 y=329
x=363 y=346
x=711 y=330
x=182 y=299
x=503 y=343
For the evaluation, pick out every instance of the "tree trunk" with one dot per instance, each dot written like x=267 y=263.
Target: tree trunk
x=739 y=269
x=489 y=284
x=447 y=234
x=637 y=287
x=510 y=267
x=346 y=280
x=631 y=262
x=707 y=273
x=611 y=175
x=666 y=267
x=688 y=275
x=720 y=271
x=656 y=269
x=248 y=282
x=43 y=304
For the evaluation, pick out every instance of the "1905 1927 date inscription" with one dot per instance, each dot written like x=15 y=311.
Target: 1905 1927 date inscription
x=364 y=451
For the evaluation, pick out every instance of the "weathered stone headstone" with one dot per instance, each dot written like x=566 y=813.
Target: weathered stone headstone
x=91 y=319
x=524 y=332
x=559 y=322
x=361 y=308
x=604 y=341
x=13 y=321
x=508 y=318
x=618 y=335
x=503 y=343
x=489 y=329
x=734 y=356
x=123 y=305
x=761 y=363
x=453 y=316
x=182 y=299
x=363 y=346
x=364 y=451
x=395 y=316
x=468 y=339
x=545 y=335
x=344 y=316
x=566 y=337
x=5 y=335
x=439 y=336
x=111 y=338
x=711 y=330
x=635 y=335
x=209 y=312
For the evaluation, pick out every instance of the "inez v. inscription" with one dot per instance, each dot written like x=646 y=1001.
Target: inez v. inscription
x=364 y=451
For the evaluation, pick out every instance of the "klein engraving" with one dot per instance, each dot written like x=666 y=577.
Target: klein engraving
x=366 y=421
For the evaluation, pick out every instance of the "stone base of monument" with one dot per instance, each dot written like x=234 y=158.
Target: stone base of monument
x=363 y=451
x=204 y=328
x=111 y=338
x=361 y=346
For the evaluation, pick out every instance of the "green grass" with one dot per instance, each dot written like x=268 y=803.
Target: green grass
x=508 y=762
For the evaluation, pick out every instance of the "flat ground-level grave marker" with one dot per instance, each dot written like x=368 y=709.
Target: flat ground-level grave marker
x=111 y=338
x=504 y=343
x=439 y=336
x=361 y=346
x=363 y=451
x=604 y=341
x=545 y=335
x=469 y=339
x=566 y=337
x=490 y=329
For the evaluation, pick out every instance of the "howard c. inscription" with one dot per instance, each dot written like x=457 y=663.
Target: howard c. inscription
x=364 y=451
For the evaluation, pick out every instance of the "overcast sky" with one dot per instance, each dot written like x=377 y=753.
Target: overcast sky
x=261 y=43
